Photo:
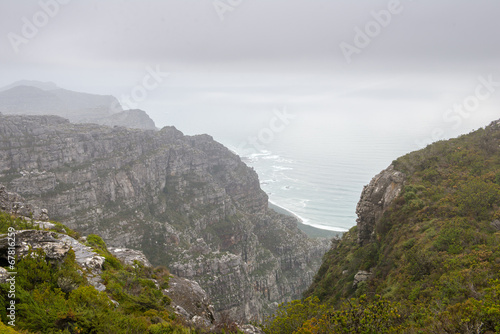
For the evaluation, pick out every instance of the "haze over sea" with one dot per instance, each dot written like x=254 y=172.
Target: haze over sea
x=316 y=163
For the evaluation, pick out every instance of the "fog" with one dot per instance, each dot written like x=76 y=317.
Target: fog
x=230 y=63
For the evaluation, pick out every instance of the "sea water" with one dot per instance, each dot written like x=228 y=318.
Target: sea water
x=318 y=166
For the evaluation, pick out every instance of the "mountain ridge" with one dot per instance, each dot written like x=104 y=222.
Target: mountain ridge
x=186 y=201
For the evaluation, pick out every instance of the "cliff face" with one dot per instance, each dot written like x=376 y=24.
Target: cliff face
x=186 y=202
x=375 y=199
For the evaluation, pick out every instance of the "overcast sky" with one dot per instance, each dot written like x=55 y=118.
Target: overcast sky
x=240 y=53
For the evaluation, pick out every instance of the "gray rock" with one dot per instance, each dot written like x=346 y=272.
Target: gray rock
x=4 y=275
x=375 y=199
x=129 y=256
x=44 y=225
x=134 y=119
x=15 y=204
x=361 y=276
x=191 y=302
x=250 y=329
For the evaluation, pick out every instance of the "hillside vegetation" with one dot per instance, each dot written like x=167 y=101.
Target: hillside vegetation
x=55 y=296
x=434 y=259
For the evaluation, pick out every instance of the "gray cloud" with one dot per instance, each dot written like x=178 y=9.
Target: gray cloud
x=256 y=34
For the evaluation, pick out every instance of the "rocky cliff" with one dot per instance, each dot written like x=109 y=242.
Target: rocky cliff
x=375 y=199
x=186 y=202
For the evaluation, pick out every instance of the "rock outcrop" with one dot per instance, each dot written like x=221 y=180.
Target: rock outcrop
x=188 y=299
x=191 y=302
x=129 y=256
x=14 y=204
x=186 y=202
x=375 y=199
x=361 y=276
x=134 y=119
x=55 y=246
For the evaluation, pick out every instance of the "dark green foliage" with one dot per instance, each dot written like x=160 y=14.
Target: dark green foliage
x=97 y=243
x=34 y=271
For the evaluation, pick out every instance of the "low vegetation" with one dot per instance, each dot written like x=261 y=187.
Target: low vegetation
x=435 y=263
x=55 y=297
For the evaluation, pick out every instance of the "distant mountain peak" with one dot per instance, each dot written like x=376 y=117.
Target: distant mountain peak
x=29 y=97
x=48 y=85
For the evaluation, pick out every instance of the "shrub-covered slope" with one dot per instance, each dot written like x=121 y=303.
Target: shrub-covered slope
x=54 y=294
x=56 y=284
x=431 y=262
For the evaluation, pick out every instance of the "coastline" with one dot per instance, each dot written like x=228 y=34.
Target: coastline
x=312 y=231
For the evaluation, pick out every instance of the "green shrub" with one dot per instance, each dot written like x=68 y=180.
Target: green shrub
x=290 y=317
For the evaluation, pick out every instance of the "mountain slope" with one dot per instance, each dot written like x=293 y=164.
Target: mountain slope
x=425 y=254
x=45 y=98
x=29 y=100
x=61 y=282
x=187 y=202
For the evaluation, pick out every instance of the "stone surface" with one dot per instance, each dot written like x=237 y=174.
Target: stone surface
x=361 y=276
x=55 y=247
x=186 y=202
x=4 y=275
x=17 y=205
x=129 y=256
x=191 y=302
x=250 y=329
x=375 y=199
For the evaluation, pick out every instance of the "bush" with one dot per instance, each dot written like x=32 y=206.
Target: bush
x=290 y=317
x=358 y=315
x=476 y=198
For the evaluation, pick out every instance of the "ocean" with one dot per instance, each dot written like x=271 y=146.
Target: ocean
x=317 y=167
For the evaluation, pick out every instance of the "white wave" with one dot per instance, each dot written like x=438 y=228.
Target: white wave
x=307 y=221
x=324 y=227
x=281 y=168
x=271 y=157
x=267 y=181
